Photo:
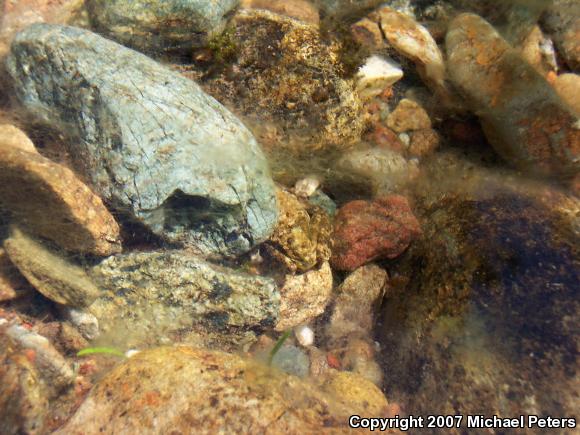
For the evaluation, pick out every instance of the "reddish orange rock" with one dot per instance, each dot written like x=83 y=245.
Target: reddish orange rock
x=384 y=137
x=368 y=230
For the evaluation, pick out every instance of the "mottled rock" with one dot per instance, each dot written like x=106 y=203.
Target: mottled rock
x=385 y=169
x=522 y=115
x=538 y=51
x=366 y=230
x=86 y=323
x=175 y=389
x=292 y=360
x=304 y=297
x=562 y=20
x=376 y=75
x=307 y=186
x=302 y=238
x=367 y=33
x=52 y=275
x=153 y=25
x=150 y=141
x=302 y=10
x=386 y=138
x=152 y=295
x=322 y=200
x=408 y=116
x=12 y=136
x=11 y=282
x=281 y=71
x=568 y=87
x=50 y=201
x=423 y=142
x=414 y=41
x=357 y=390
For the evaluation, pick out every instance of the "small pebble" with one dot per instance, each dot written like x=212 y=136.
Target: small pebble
x=305 y=335
x=306 y=187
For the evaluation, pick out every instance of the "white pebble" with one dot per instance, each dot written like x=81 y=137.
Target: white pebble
x=131 y=352
x=405 y=138
x=377 y=74
x=306 y=187
x=305 y=335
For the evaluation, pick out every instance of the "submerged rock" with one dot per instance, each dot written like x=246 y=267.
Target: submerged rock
x=52 y=275
x=408 y=116
x=302 y=10
x=281 y=71
x=562 y=20
x=522 y=115
x=568 y=87
x=485 y=314
x=366 y=230
x=177 y=389
x=153 y=25
x=50 y=201
x=12 y=136
x=12 y=284
x=151 y=297
x=151 y=142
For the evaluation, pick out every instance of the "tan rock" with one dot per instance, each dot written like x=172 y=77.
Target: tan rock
x=423 y=142
x=408 y=116
x=302 y=238
x=50 y=201
x=302 y=10
x=538 y=51
x=11 y=282
x=367 y=33
x=357 y=390
x=11 y=135
x=568 y=87
x=50 y=274
x=304 y=297
x=180 y=388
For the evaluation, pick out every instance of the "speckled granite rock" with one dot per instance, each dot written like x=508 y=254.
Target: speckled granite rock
x=522 y=115
x=52 y=275
x=152 y=25
x=151 y=141
x=152 y=295
x=177 y=389
x=51 y=201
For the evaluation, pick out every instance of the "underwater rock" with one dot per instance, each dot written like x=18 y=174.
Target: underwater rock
x=280 y=70
x=562 y=20
x=538 y=51
x=50 y=201
x=568 y=87
x=302 y=238
x=304 y=297
x=292 y=360
x=484 y=313
x=385 y=169
x=376 y=75
x=150 y=141
x=49 y=273
x=386 y=138
x=307 y=186
x=368 y=230
x=23 y=397
x=148 y=296
x=11 y=282
x=423 y=142
x=158 y=25
x=12 y=136
x=523 y=117
x=325 y=202
x=355 y=389
x=302 y=10
x=178 y=388
x=408 y=116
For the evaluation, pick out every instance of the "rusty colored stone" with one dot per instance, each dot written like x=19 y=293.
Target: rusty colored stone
x=50 y=201
x=408 y=116
x=424 y=142
x=368 y=230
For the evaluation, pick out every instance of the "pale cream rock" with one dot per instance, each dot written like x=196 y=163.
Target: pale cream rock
x=377 y=74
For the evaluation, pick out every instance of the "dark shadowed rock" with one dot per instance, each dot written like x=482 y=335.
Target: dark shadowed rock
x=150 y=297
x=150 y=141
x=151 y=25
x=562 y=20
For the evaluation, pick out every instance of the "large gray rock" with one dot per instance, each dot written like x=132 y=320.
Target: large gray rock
x=151 y=297
x=151 y=141
x=160 y=24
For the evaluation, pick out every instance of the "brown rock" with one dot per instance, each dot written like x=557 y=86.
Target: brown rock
x=11 y=135
x=568 y=87
x=304 y=297
x=11 y=282
x=51 y=275
x=366 y=230
x=49 y=200
x=523 y=117
x=538 y=51
x=562 y=20
x=172 y=390
x=301 y=237
x=367 y=33
x=424 y=142
x=408 y=116
x=384 y=137
x=302 y=10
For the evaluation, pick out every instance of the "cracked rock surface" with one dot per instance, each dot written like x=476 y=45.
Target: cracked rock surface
x=151 y=142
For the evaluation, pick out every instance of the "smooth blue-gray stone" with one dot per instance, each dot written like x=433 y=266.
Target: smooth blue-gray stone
x=150 y=141
x=153 y=25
